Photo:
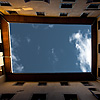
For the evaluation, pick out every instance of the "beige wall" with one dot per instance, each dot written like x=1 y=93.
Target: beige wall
x=2 y=79
x=53 y=90
x=52 y=9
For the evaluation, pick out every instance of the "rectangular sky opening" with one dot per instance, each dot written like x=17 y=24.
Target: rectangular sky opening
x=50 y=48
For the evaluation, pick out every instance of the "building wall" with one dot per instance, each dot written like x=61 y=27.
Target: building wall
x=2 y=79
x=53 y=90
x=51 y=9
x=98 y=42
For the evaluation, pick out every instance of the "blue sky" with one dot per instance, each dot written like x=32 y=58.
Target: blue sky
x=50 y=48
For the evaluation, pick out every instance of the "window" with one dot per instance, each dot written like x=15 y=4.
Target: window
x=1 y=47
x=70 y=96
x=39 y=97
x=40 y=13
x=12 y=12
x=93 y=6
x=84 y=15
x=98 y=48
x=66 y=5
x=92 y=89
x=4 y=3
x=42 y=84
x=99 y=72
x=98 y=25
x=96 y=95
x=6 y=96
x=86 y=83
x=64 y=83
x=19 y=83
x=63 y=14
x=90 y=1
x=68 y=0
x=48 y=1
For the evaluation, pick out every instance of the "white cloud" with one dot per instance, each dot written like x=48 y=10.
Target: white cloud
x=14 y=58
x=28 y=39
x=52 y=50
x=54 y=55
x=15 y=66
x=18 y=67
x=38 y=47
x=51 y=26
x=83 y=45
x=14 y=41
x=77 y=64
x=35 y=26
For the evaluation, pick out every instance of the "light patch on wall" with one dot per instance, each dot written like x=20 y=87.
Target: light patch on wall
x=83 y=46
x=14 y=9
x=1 y=54
x=27 y=8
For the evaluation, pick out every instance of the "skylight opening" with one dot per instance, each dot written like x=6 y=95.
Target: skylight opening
x=42 y=84
x=86 y=83
x=6 y=96
x=72 y=55
x=19 y=84
x=64 y=83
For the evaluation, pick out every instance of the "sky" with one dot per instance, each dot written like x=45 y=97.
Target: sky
x=50 y=48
